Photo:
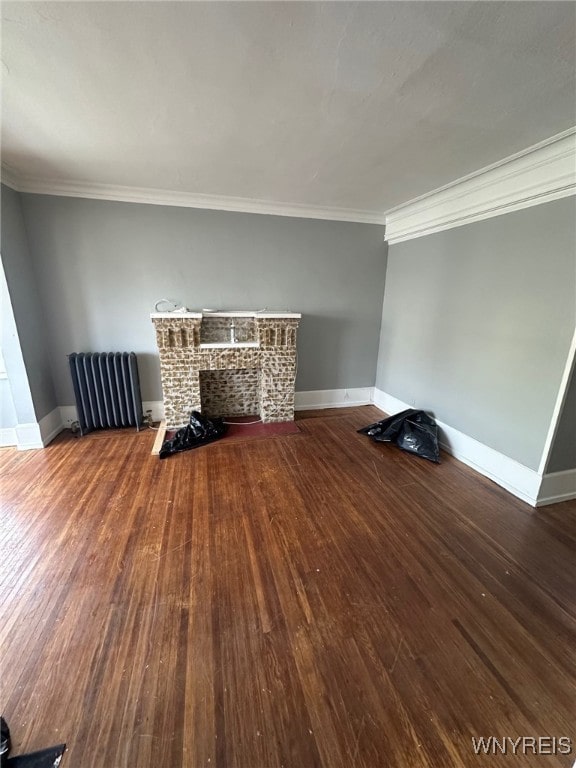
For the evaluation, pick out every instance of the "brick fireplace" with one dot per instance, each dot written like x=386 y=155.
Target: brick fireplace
x=227 y=364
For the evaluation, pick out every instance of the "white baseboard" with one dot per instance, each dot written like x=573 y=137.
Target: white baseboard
x=333 y=398
x=157 y=408
x=8 y=437
x=28 y=436
x=50 y=426
x=33 y=435
x=557 y=487
x=388 y=403
x=506 y=472
x=304 y=401
x=69 y=414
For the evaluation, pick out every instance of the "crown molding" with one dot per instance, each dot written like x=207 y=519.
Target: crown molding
x=62 y=188
x=543 y=172
x=539 y=174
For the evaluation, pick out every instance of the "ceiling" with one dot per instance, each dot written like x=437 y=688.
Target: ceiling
x=339 y=105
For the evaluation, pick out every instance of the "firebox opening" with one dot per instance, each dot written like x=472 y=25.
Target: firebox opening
x=232 y=392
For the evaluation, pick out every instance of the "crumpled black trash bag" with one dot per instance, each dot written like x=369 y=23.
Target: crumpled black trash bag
x=44 y=758
x=199 y=431
x=5 y=743
x=412 y=430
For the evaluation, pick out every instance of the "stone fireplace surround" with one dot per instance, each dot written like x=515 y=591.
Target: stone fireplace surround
x=227 y=364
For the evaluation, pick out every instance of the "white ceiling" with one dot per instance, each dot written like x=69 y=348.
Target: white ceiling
x=341 y=105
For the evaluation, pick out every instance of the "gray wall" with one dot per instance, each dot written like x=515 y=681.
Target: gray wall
x=563 y=452
x=28 y=316
x=477 y=322
x=103 y=265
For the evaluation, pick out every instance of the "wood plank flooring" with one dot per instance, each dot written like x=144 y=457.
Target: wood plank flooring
x=308 y=601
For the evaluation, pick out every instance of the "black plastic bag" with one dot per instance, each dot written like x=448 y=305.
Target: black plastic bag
x=44 y=758
x=4 y=742
x=387 y=430
x=412 y=430
x=200 y=431
x=421 y=439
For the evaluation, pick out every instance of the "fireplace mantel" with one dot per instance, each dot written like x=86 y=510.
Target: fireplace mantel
x=227 y=363
x=262 y=313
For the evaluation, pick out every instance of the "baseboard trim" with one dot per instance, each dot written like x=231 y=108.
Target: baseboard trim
x=156 y=407
x=69 y=413
x=50 y=426
x=333 y=398
x=522 y=482
x=557 y=487
x=28 y=436
x=8 y=437
x=303 y=401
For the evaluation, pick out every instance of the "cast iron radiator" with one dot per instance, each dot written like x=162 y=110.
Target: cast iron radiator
x=107 y=390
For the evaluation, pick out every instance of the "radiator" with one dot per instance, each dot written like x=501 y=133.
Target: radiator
x=107 y=390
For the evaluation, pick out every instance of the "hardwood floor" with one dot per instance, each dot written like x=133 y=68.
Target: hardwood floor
x=314 y=600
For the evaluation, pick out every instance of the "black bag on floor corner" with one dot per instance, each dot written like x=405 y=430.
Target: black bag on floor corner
x=420 y=438
x=199 y=431
x=412 y=430
x=387 y=430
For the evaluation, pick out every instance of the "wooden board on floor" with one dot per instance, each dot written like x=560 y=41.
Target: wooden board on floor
x=159 y=438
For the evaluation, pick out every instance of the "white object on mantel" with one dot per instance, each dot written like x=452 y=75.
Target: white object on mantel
x=170 y=306
x=271 y=315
